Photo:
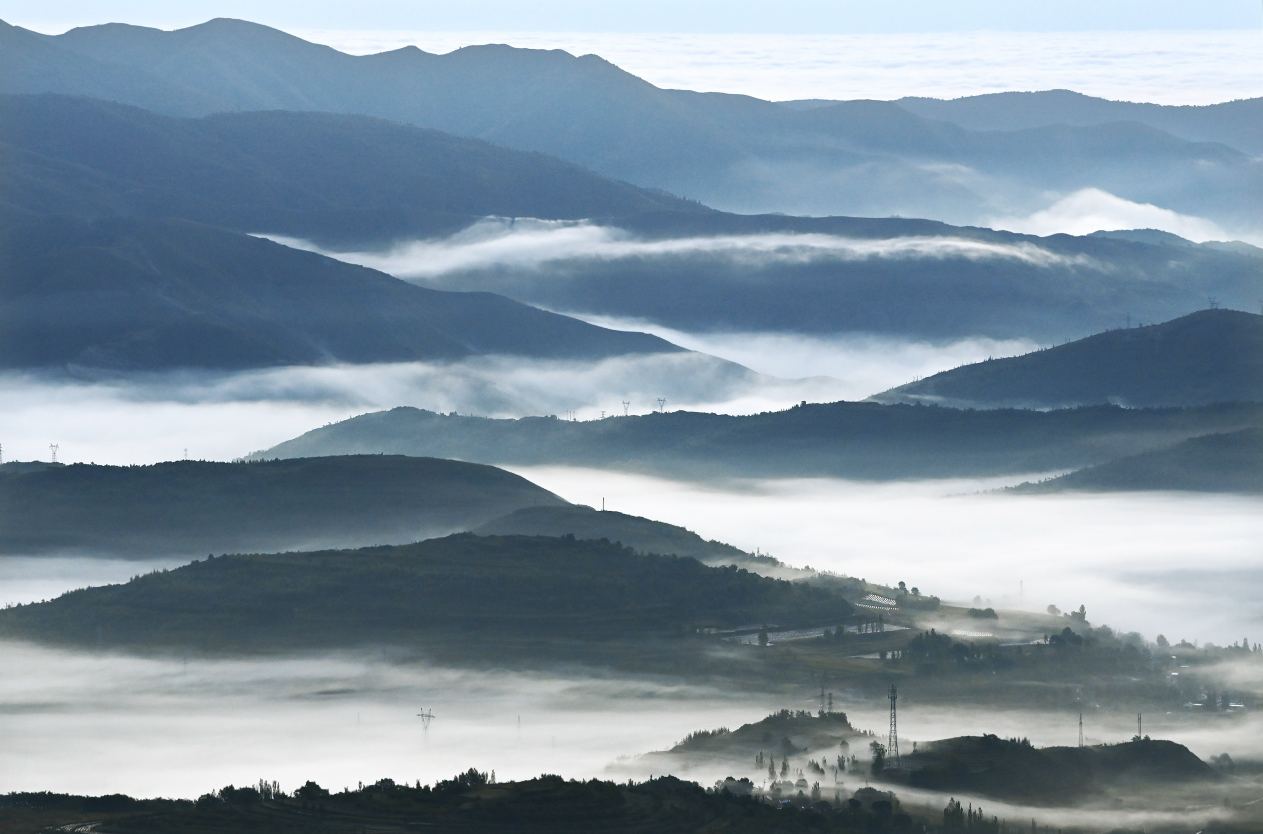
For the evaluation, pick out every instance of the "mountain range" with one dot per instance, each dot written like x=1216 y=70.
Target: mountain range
x=862 y=441
x=733 y=152
x=355 y=182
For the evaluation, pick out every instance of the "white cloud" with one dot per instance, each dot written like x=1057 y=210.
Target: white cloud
x=531 y=244
x=1091 y=210
x=862 y=363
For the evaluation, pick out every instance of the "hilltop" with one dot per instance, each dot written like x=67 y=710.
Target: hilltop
x=197 y=507
x=641 y=534
x=139 y=294
x=475 y=596
x=1227 y=462
x=1015 y=771
x=1205 y=357
x=864 y=441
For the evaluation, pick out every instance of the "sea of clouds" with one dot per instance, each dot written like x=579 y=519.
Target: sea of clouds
x=1164 y=67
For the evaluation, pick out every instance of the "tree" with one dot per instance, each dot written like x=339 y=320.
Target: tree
x=879 y=757
x=1163 y=643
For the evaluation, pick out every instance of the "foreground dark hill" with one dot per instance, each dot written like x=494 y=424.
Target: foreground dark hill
x=196 y=507
x=1205 y=357
x=472 y=803
x=1229 y=462
x=850 y=440
x=1015 y=771
x=136 y=294
x=736 y=152
x=460 y=590
x=641 y=534
x=331 y=178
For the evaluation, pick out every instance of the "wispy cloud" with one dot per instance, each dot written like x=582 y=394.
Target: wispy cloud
x=533 y=244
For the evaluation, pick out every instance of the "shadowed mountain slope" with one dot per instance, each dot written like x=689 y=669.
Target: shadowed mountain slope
x=1227 y=462
x=319 y=176
x=462 y=589
x=735 y=152
x=128 y=293
x=851 y=440
x=195 y=507
x=1205 y=357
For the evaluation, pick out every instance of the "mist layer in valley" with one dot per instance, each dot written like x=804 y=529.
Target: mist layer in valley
x=721 y=277
x=145 y=418
x=1153 y=563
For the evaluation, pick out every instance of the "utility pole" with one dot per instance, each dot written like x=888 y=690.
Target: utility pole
x=1140 y=726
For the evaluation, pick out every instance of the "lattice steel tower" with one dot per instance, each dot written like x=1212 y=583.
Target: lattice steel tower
x=892 y=743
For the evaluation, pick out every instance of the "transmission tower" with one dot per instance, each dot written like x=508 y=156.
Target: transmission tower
x=1080 y=729
x=426 y=717
x=662 y=404
x=53 y=447
x=892 y=744
x=626 y=403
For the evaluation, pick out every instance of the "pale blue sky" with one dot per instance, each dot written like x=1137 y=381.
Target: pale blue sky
x=718 y=16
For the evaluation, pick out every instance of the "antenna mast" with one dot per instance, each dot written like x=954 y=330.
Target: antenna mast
x=892 y=744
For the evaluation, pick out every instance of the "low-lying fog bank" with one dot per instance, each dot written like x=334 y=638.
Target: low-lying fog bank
x=103 y=723
x=146 y=418
x=97 y=723
x=1181 y=565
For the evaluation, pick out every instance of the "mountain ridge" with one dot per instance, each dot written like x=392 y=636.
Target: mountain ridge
x=1209 y=356
x=733 y=152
